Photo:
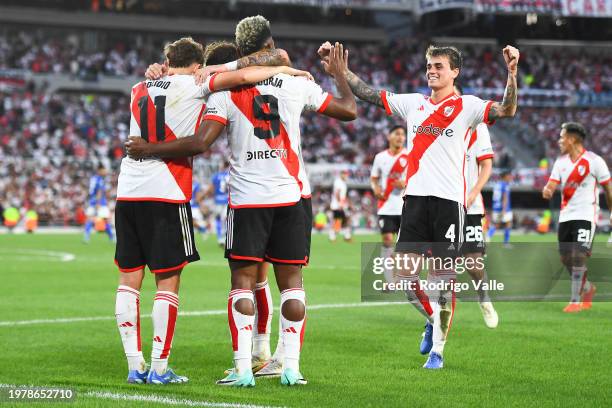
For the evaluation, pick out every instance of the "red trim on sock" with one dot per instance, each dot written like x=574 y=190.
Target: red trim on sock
x=302 y=333
x=138 y=324
x=172 y=312
x=423 y=298
x=263 y=309
x=232 y=324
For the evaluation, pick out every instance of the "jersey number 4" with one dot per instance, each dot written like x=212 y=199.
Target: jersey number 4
x=271 y=129
x=160 y=118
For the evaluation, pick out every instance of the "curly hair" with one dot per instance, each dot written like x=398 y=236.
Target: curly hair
x=220 y=52
x=184 y=52
x=252 y=33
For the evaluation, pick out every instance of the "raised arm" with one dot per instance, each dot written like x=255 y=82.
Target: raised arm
x=267 y=57
x=507 y=107
x=137 y=148
x=359 y=88
x=343 y=108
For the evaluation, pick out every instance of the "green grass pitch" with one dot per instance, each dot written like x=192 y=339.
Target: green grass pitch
x=352 y=356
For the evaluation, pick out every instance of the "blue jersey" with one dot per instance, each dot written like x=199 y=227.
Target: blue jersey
x=195 y=189
x=501 y=188
x=220 y=181
x=97 y=185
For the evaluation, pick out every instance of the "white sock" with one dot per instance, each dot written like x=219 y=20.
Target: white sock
x=578 y=273
x=263 y=320
x=127 y=312
x=332 y=234
x=443 y=306
x=387 y=252
x=347 y=233
x=292 y=332
x=165 y=310
x=279 y=353
x=241 y=329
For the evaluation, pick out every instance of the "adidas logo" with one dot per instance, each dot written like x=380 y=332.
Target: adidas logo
x=248 y=327
x=157 y=339
x=290 y=330
x=126 y=324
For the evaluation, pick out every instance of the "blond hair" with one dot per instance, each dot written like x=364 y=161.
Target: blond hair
x=252 y=33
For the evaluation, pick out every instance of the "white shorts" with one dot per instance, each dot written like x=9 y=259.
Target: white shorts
x=196 y=215
x=497 y=217
x=103 y=212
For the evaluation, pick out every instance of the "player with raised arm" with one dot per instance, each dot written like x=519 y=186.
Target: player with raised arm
x=579 y=172
x=266 y=219
x=339 y=206
x=387 y=180
x=153 y=218
x=98 y=204
x=502 y=207
x=436 y=192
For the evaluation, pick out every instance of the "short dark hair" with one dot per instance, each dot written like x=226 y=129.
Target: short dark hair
x=575 y=128
x=184 y=52
x=252 y=33
x=453 y=54
x=220 y=52
x=394 y=128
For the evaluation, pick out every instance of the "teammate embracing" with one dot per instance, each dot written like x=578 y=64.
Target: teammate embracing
x=153 y=216
x=579 y=171
x=266 y=219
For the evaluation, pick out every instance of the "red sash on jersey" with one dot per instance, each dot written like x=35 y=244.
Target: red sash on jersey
x=243 y=99
x=422 y=141
x=180 y=168
x=576 y=177
x=396 y=173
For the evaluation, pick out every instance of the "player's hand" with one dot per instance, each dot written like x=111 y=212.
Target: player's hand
x=338 y=61
x=472 y=196
x=324 y=51
x=156 y=71
x=511 y=56
x=547 y=193
x=204 y=72
x=136 y=147
x=297 y=72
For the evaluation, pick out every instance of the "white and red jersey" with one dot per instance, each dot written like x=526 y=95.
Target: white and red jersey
x=339 y=193
x=479 y=148
x=162 y=110
x=389 y=168
x=303 y=176
x=579 y=179
x=437 y=138
x=263 y=128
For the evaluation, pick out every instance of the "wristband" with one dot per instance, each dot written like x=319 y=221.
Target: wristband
x=231 y=66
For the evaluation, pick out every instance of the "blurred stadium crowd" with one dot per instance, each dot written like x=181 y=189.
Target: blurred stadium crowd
x=50 y=143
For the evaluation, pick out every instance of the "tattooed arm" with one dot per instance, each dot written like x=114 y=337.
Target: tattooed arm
x=507 y=107
x=267 y=57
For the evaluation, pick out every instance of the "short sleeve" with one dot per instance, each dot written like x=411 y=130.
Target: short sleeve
x=477 y=110
x=400 y=104
x=315 y=98
x=555 y=175
x=484 y=149
x=601 y=171
x=376 y=170
x=216 y=108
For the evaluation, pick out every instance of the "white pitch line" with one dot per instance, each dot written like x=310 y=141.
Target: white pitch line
x=167 y=401
x=53 y=255
x=10 y=323
x=154 y=399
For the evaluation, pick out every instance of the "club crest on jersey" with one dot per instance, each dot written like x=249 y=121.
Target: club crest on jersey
x=448 y=110
x=581 y=169
x=403 y=161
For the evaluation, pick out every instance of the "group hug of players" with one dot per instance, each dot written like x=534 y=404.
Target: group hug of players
x=255 y=100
